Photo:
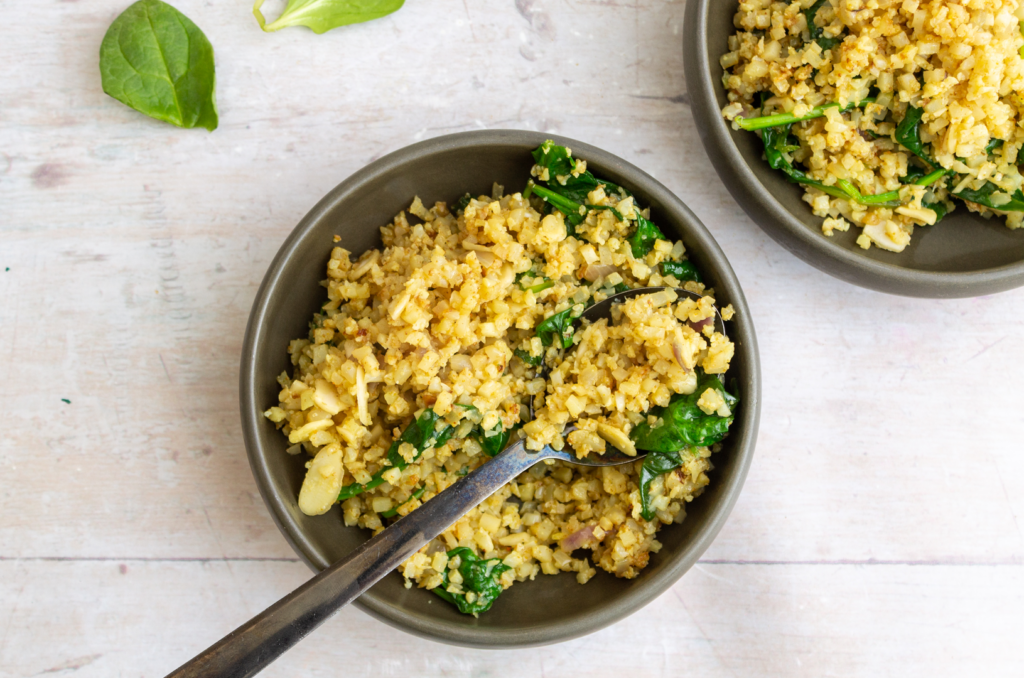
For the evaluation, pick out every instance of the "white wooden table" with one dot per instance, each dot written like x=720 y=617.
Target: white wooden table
x=880 y=531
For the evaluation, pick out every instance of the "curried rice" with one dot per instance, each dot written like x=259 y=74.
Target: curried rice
x=441 y=326
x=929 y=108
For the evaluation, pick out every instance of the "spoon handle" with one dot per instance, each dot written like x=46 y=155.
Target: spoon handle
x=262 y=639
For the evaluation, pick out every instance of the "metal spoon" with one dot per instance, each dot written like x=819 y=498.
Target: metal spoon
x=262 y=639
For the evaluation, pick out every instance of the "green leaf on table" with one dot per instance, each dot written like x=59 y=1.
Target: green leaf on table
x=155 y=60
x=323 y=15
x=480 y=582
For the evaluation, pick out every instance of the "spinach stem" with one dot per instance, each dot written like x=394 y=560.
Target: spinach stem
x=776 y=119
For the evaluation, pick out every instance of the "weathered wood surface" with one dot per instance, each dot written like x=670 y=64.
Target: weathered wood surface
x=880 y=529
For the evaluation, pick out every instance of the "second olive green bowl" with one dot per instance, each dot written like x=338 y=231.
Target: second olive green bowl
x=964 y=255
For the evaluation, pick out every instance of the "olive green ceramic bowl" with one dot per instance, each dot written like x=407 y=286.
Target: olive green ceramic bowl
x=551 y=608
x=964 y=255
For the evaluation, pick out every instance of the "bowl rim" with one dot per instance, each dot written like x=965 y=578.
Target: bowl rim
x=780 y=224
x=541 y=634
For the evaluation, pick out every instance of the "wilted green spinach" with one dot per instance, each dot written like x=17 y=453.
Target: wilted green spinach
x=155 y=60
x=480 y=581
x=422 y=434
x=681 y=425
x=323 y=15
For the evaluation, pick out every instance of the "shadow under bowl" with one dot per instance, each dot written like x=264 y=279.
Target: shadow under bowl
x=551 y=608
x=964 y=255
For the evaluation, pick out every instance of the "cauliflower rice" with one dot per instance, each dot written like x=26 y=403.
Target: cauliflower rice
x=957 y=62
x=442 y=321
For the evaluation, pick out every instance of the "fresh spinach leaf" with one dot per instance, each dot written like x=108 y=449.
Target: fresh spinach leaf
x=643 y=238
x=558 y=326
x=680 y=270
x=155 y=60
x=683 y=423
x=655 y=464
x=323 y=15
x=393 y=511
x=422 y=434
x=481 y=578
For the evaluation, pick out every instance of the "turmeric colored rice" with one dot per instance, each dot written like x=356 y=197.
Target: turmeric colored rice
x=442 y=321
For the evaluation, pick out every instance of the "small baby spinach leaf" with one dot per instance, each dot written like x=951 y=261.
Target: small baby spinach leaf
x=480 y=578
x=155 y=60
x=323 y=15
x=680 y=270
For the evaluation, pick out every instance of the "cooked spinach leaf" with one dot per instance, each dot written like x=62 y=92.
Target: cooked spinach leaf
x=323 y=15
x=495 y=440
x=775 y=141
x=785 y=119
x=155 y=60
x=537 y=287
x=480 y=582
x=422 y=434
x=531 y=360
x=984 y=197
x=818 y=33
x=643 y=238
x=461 y=203
x=655 y=464
x=680 y=270
x=992 y=145
x=560 y=165
x=558 y=326
x=908 y=135
x=681 y=425
x=574 y=212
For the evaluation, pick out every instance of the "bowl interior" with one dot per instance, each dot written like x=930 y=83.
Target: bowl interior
x=550 y=608
x=961 y=243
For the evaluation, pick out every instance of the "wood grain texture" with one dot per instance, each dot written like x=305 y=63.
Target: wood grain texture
x=880 y=531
